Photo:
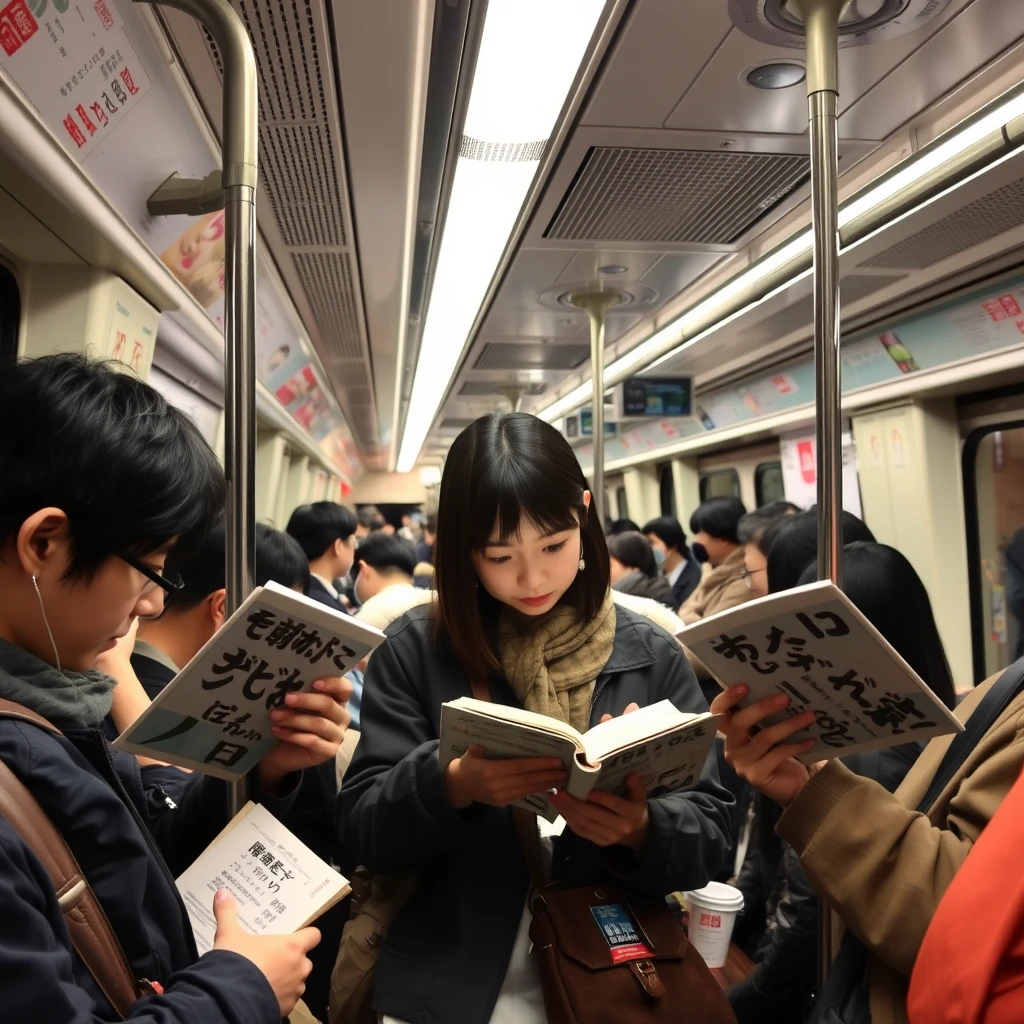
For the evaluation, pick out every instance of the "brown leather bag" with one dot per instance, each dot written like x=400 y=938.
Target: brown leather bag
x=91 y=934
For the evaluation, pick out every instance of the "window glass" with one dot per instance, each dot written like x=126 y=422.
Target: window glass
x=719 y=483
x=768 y=485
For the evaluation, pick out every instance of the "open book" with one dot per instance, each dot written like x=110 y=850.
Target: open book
x=665 y=747
x=279 y=884
x=214 y=716
x=813 y=645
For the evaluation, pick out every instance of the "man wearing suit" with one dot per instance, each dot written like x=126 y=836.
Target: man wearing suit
x=669 y=545
x=325 y=531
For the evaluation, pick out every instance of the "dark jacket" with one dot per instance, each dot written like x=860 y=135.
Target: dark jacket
x=446 y=955
x=318 y=592
x=132 y=830
x=687 y=582
x=154 y=676
x=657 y=588
x=774 y=886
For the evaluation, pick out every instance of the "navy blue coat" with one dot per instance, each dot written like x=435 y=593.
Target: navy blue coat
x=132 y=831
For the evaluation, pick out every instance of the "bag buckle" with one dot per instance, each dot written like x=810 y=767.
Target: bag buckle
x=647 y=974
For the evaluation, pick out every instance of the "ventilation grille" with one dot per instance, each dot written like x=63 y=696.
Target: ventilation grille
x=302 y=175
x=674 y=195
x=977 y=222
x=487 y=387
x=500 y=355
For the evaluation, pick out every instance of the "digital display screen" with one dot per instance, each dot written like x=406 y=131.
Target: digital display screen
x=587 y=425
x=665 y=396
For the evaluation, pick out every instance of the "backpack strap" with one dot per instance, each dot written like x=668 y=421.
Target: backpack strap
x=983 y=717
x=91 y=934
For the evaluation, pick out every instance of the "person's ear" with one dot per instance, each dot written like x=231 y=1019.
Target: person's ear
x=43 y=544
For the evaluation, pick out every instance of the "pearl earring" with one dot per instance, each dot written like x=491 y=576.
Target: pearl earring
x=583 y=563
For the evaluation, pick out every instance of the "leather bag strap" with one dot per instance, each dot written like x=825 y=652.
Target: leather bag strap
x=91 y=933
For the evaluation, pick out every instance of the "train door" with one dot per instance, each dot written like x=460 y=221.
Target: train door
x=10 y=317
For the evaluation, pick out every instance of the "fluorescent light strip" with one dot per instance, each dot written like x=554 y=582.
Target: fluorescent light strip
x=848 y=212
x=529 y=54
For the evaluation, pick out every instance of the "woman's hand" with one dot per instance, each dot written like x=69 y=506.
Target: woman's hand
x=473 y=778
x=310 y=727
x=608 y=820
x=762 y=757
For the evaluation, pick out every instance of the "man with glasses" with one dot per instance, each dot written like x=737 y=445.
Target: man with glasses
x=752 y=531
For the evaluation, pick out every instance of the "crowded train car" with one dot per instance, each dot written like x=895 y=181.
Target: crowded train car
x=452 y=407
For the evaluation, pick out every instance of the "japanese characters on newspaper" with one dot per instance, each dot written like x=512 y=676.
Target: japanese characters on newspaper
x=666 y=748
x=215 y=716
x=279 y=884
x=812 y=645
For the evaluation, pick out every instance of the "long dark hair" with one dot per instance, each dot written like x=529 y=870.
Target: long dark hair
x=886 y=588
x=791 y=542
x=502 y=469
x=633 y=550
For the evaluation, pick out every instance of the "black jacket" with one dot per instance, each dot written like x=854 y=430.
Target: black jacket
x=687 y=582
x=132 y=831
x=318 y=592
x=446 y=955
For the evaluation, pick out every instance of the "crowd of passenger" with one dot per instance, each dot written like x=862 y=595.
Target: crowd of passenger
x=112 y=577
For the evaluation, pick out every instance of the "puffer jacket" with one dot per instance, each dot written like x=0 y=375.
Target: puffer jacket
x=657 y=588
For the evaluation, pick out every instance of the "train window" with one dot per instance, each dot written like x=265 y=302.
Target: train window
x=667 y=491
x=719 y=483
x=622 y=502
x=768 y=485
x=993 y=461
x=10 y=317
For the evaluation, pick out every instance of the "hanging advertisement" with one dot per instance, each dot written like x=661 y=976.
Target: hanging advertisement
x=799 y=455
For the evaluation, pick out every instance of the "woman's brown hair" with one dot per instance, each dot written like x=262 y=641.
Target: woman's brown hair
x=504 y=468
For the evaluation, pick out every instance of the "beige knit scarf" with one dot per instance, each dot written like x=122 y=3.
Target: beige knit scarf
x=553 y=661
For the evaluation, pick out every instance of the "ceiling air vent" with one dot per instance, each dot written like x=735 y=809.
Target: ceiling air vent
x=674 y=195
x=500 y=355
x=489 y=387
x=327 y=281
x=975 y=223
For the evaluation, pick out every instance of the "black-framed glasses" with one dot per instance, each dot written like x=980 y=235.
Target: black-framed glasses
x=169 y=580
x=747 y=573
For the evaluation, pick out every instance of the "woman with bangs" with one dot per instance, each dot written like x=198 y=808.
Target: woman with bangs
x=523 y=606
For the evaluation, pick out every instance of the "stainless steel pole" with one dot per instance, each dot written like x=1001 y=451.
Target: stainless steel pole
x=597 y=305
x=821 y=24
x=240 y=157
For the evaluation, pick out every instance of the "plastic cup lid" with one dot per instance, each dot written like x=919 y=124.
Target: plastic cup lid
x=717 y=896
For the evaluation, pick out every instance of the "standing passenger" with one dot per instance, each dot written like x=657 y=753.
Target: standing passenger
x=524 y=607
x=326 y=532
x=670 y=552
x=635 y=571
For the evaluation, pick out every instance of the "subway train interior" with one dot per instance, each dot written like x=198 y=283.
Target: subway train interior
x=464 y=206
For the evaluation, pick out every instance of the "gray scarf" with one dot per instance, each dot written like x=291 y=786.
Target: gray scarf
x=66 y=699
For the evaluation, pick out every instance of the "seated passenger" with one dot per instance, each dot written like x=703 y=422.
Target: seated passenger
x=668 y=542
x=89 y=508
x=751 y=532
x=885 y=587
x=970 y=969
x=620 y=526
x=634 y=570
x=524 y=607
x=715 y=540
x=325 y=531
x=881 y=865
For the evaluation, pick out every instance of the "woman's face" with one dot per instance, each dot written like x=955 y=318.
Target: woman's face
x=532 y=571
x=198 y=243
x=618 y=569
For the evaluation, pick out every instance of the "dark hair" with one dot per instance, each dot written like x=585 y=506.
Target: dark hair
x=369 y=517
x=669 y=531
x=430 y=524
x=388 y=552
x=622 y=526
x=791 y=545
x=718 y=518
x=316 y=527
x=886 y=589
x=278 y=558
x=130 y=471
x=753 y=525
x=633 y=550
x=502 y=469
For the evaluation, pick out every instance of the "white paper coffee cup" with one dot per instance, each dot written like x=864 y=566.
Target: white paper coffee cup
x=712 y=911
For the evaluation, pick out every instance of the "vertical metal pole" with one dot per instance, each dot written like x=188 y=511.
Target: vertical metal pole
x=821 y=24
x=597 y=305
x=240 y=156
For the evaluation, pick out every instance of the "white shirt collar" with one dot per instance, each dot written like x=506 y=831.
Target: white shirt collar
x=677 y=572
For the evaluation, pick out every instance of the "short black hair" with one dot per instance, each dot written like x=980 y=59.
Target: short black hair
x=719 y=518
x=387 y=552
x=278 y=558
x=622 y=526
x=370 y=517
x=502 y=470
x=791 y=545
x=753 y=525
x=669 y=531
x=130 y=471
x=888 y=591
x=316 y=527
x=633 y=550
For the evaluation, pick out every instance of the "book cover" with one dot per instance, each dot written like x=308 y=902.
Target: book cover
x=214 y=716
